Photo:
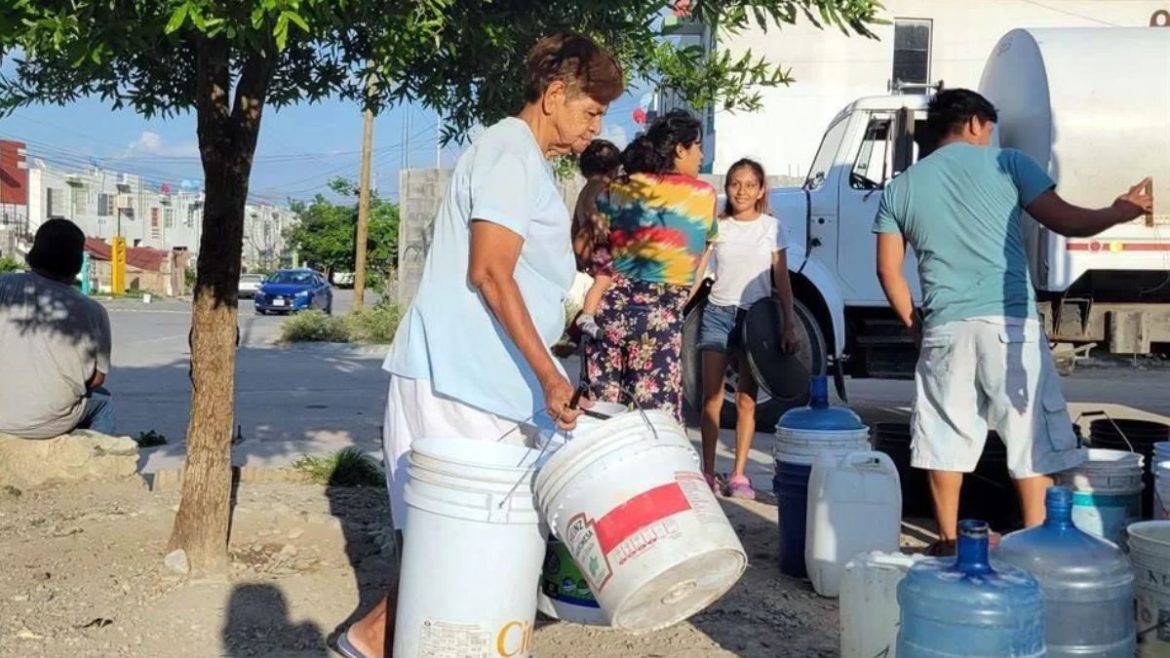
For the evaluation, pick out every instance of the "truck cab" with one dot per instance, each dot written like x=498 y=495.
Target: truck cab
x=830 y=227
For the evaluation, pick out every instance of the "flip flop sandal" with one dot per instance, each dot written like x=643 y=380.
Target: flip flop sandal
x=346 y=648
x=940 y=548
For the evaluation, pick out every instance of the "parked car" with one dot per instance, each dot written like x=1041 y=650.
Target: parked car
x=287 y=291
x=249 y=284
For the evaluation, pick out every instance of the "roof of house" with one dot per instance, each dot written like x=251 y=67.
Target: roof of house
x=142 y=258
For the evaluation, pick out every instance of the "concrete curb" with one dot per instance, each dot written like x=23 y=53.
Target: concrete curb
x=171 y=479
x=360 y=349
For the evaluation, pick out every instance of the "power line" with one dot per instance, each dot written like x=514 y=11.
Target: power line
x=1074 y=14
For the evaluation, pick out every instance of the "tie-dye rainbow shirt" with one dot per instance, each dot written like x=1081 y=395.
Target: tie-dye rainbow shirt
x=659 y=226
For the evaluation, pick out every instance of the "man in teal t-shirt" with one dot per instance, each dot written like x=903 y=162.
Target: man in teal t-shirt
x=984 y=359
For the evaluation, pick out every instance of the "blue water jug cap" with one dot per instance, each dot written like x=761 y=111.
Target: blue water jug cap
x=819 y=415
x=1058 y=506
x=973 y=546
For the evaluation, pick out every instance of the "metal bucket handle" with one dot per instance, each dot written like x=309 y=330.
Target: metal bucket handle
x=574 y=402
x=1105 y=414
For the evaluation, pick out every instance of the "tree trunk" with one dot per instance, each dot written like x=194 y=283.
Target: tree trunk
x=227 y=141
x=201 y=526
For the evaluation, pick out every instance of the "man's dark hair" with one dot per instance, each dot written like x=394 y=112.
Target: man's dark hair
x=602 y=157
x=57 y=249
x=951 y=109
x=654 y=151
x=579 y=62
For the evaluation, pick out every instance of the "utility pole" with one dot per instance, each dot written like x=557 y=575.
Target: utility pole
x=363 y=221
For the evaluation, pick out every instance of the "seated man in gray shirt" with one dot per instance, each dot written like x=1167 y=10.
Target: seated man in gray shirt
x=54 y=343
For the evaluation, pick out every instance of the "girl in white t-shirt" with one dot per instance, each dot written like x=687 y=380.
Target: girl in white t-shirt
x=750 y=264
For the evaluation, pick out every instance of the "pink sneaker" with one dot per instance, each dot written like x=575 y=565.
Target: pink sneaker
x=740 y=487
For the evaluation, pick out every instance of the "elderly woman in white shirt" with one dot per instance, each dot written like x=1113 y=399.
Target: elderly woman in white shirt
x=471 y=358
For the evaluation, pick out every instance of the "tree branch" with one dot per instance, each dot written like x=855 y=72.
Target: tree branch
x=251 y=94
x=212 y=81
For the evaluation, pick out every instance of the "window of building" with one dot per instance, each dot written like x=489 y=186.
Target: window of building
x=80 y=199
x=168 y=217
x=105 y=205
x=912 y=51
x=55 y=202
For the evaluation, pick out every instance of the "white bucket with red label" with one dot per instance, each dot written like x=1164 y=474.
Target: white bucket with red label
x=649 y=536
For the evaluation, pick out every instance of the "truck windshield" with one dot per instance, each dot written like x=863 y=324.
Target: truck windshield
x=827 y=155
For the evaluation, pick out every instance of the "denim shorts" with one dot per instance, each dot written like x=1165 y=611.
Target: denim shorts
x=721 y=328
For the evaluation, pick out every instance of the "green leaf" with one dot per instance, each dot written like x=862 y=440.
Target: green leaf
x=296 y=19
x=281 y=31
x=177 y=18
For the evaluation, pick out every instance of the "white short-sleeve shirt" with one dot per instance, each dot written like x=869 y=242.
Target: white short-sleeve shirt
x=449 y=335
x=742 y=260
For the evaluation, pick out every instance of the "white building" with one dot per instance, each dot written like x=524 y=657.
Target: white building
x=106 y=203
x=925 y=42
x=265 y=229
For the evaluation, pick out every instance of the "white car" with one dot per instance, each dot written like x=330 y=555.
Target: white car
x=249 y=284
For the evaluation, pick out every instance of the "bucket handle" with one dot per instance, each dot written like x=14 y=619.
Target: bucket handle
x=1105 y=414
x=585 y=388
x=573 y=403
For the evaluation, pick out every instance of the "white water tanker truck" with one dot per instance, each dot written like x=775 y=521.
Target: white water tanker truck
x=1091 y=105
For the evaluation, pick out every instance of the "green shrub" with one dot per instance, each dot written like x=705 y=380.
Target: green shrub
x=376 y=324
x=314 y=327
x=9 y=265
x=348 y=468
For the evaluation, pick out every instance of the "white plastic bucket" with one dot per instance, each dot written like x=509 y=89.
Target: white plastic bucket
x=1162 y=489
x=804 y=446
x=869 y=604
x=470 y=508
x=1162 y=451
x=1149 y=553
x=629 y=502
x=552 y=441
x=1107 y=493
x=854 y=507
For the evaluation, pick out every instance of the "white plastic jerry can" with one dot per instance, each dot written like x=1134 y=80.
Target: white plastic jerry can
x=854 y=506
x=869 y=604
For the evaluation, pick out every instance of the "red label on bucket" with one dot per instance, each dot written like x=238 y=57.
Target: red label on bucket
x=638 y=512
x=624 y=532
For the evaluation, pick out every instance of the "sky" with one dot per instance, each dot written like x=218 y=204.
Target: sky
x=301 y=148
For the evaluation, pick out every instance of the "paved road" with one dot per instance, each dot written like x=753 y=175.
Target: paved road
x=318 y=399
x=289 y=401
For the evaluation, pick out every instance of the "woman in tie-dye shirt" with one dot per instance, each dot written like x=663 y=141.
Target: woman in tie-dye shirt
x=661 y=218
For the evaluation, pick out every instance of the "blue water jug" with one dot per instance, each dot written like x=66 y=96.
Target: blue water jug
x=1087 y=583
x=964 y=608
x=801 y=435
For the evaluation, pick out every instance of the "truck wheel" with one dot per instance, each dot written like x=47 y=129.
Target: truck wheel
x=813 y=354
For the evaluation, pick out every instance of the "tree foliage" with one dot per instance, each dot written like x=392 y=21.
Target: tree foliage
x=325 y=234
x=142 y=53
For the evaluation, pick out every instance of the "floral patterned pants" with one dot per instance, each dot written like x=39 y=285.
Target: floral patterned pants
x=638 y=352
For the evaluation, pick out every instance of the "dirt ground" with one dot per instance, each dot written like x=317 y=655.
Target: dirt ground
x=83 y=575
